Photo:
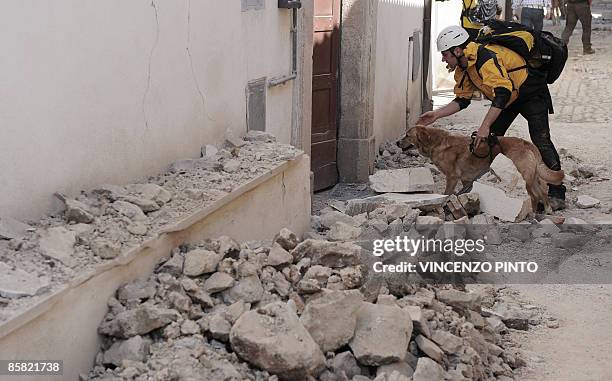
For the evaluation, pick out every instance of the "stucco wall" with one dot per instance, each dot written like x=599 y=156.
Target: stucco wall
x=109 y=91
x=394 y=89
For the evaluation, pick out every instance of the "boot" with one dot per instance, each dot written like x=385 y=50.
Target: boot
x=556 y=194
x=588 y=51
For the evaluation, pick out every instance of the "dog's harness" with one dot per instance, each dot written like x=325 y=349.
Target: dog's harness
x=492 y=141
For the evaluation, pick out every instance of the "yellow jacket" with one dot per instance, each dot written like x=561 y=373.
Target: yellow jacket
x=487 y=71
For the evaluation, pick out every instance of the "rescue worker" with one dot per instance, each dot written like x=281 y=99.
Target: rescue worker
x=471 y=27
x=500 y=74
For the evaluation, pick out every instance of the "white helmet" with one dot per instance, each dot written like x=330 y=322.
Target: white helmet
x=450 y=37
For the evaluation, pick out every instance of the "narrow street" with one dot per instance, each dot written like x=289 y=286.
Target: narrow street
x=579 y=348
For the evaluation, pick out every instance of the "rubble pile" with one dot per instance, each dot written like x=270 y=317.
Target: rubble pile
x=291 y=310
x=108 y=220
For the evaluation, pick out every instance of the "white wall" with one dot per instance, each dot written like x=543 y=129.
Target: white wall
x=397 y=21
x=109 y=91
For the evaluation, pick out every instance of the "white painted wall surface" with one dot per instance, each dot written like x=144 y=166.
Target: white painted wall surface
x=397 y=21
x=109 y=91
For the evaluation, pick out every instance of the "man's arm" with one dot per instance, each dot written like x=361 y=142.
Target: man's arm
x=431 y=116
x=487 y=122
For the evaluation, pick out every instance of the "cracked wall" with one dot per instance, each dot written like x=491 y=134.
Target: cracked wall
x=106 y=92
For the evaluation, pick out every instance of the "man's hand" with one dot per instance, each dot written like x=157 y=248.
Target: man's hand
x=481 y=135
x=427 y=118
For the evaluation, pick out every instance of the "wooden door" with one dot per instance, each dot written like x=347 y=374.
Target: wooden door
x=326 y=51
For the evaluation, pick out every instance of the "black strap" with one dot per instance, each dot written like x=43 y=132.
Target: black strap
x=517 y=68
x=492 y=140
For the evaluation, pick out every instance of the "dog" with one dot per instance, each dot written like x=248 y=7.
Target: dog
x=451 y=155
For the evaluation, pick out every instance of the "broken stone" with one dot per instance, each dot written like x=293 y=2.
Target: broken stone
x=400 y=367
x=352 y=276
x=382 y=334
x=345 y=365
x=209 y=150
x=179 y=301
x=259 y=136
x=145 y=204
x=449 y=343
x=418 y=320
x=76 y=211
x=248 y=289
x=331 y=319
x=343 y=232
x=137 y=290
x=546 y=227
x=459 y=299
x=402 y=180
x=58 y=243
x=219 y=281
x=278 y=256
x=105 y=248
x=429 y=348
x=273 y=339
x=470 y=202
x=200 y=261
x=329 y=219
x=109 y=191
x=174 y=265
x=495 y=202
x=131 y=211
x=137 y=228
x=585 y=202
x=318 y=273
x=187 y=165
x=286 y=239
x=568 y=240
x=506 y=171
x=150 y=191
x=138 y=321
x=413 y=200
x=18 y=283
x=428 y=370
x=428 y=220
x=190 y=327
x=219 y=327
x=232 y=166
x=10 y=228
x=330 y=254
x=134 y=349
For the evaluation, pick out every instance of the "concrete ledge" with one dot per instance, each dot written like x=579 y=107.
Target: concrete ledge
x=64 y=325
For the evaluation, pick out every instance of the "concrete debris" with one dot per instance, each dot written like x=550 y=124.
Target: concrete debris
x=259 y=136
x=58 y=243
x=131 y=211
x=495 y=202
x=585 y=202
x=343 y=232
x=105 y=248
x=286 y=239
x=10 y=228
x=428 y=370
x=402 y=180
x=470 y=202
x=209 y=151
x=382 y=334
x=76 y=211
x=187 y=165
x=273 y=339
x=17 y=283
x=416 y=200
x=279 y=321
x=331 y=318
x=200 y=261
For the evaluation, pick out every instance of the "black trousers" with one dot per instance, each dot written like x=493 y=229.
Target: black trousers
x=534 y=106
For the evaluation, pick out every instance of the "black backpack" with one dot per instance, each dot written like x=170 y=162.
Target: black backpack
x=540 y=49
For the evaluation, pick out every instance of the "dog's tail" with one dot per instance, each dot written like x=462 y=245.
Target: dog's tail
x=550 y=176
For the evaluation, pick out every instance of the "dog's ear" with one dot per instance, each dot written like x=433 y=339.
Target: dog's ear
x=423 y=137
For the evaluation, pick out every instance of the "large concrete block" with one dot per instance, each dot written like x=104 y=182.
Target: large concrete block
x=495 y=202
x=402 y=180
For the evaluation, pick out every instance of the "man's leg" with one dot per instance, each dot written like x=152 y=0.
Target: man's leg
x=583 y=11
x=527 y=17
x=538 y=19
x=570 y=22
x=536 y=113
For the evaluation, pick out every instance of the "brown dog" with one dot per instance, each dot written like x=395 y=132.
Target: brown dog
x=451 y=154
